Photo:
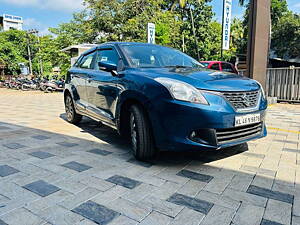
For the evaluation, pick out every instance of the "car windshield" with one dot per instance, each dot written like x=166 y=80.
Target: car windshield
x=155 y=56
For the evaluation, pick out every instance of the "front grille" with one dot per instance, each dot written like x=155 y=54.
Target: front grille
x=238 y=133
x=242 y=100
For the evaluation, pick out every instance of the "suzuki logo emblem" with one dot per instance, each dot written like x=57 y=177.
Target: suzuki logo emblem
x=246 y=100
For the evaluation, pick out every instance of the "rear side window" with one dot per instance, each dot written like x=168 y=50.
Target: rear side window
x=215 y=66
x=87 y=61
x=227 y=67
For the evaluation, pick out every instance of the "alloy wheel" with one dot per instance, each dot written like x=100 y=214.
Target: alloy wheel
x=69 y=108
x=133 y=132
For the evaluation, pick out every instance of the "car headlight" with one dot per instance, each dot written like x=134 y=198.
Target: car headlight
x=182 y=91
x=263 y=94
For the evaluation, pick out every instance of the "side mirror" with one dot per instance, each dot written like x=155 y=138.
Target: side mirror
x=112 y=68
x=106 y=66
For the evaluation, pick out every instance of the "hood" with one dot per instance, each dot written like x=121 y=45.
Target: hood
x=203 y=78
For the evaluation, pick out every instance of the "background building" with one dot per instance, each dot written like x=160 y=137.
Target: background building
x=10 y=22
x=76 y=50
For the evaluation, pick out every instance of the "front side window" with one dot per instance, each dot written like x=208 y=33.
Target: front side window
x=87 y=61
x=147 y=56
x=227 y=67
x=215 y=66
x=109 y=56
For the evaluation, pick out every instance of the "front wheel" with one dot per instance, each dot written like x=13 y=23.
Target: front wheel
x=141 y=134
x=24 y=87
x=72 y=116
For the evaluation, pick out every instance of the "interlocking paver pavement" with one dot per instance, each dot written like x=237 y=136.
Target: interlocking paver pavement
x=95 y=212
x=76 y=166
x=6 y=170
x=123 y=181
x=41 y=155
x=57 y=173
x=41 y=188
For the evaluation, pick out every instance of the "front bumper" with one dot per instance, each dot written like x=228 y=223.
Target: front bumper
x=181 y=126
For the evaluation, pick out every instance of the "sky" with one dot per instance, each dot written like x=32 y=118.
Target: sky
x=42 y=14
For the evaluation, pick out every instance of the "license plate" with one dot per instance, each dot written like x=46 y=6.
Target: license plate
x=247 y=119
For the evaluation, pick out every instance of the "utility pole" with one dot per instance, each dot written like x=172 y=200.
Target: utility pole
x=194 y=33
x=40 y=64
x=29 y=54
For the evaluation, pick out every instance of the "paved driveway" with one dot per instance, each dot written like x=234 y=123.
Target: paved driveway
x=52 y=172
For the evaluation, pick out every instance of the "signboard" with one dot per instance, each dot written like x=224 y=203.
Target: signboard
x=151 y=33
x=24 y=69
x=17 y=19
x=226 y=24
x=12 y=22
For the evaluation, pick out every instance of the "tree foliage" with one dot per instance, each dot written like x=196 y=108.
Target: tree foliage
x=12 y=50
x=286 y=36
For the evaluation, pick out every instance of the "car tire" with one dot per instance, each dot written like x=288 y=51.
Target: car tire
x=24 y=88
x=141 y=134
x=72 y=116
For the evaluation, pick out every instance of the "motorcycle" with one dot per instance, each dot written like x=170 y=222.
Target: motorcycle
x=15 y=84
x=30 y=84
x=53 y=85
x=43 y=84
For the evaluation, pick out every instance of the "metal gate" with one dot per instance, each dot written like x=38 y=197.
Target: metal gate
x=283 y=83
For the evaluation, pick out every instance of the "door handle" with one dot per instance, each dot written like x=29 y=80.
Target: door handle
x=89 y=80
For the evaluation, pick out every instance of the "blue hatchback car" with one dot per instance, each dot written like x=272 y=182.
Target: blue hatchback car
x=162 y=99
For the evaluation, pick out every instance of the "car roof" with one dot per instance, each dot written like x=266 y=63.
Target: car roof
x=116 y=43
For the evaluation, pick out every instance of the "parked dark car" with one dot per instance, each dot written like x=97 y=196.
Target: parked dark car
x=220 y=65
x=161 y=98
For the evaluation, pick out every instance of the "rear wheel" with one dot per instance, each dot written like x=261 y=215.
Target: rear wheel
x=72 y=116
x=141 y=134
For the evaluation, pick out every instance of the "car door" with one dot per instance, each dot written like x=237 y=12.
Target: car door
x=102 y=89
x=79 y=76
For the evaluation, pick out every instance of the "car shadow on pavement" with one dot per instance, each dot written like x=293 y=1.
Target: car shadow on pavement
x=112 y=137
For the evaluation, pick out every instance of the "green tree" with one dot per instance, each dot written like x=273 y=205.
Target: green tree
x=13 y=50
x=279 y=8
x=51 y=55
x=286 y=36
x=78 y=30
x=116 y=20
